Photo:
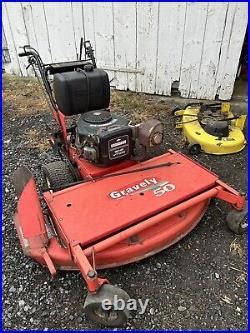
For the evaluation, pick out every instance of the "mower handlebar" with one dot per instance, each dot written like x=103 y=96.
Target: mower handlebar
x=25 y=54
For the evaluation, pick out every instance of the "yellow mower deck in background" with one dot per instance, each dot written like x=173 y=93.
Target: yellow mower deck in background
x=211 y=128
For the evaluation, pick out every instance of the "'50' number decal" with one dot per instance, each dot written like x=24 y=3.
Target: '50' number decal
x=163 y=189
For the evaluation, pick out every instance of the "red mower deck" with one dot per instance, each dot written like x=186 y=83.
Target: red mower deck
x=100 y=208
x=118 y=219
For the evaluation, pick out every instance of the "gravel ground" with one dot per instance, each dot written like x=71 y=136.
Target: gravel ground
x=199 y=283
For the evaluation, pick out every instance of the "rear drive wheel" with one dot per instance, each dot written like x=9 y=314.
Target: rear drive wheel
x=237 y=220
x=56 y=175
x=100 y=307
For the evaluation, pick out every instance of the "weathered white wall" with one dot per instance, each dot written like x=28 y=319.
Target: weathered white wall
x=145 y=46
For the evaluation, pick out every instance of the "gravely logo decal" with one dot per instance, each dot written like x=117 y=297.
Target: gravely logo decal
x=158 y=187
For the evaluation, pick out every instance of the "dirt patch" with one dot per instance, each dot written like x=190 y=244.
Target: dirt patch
x=140 y=107
x=34 y=139
x=23 y=95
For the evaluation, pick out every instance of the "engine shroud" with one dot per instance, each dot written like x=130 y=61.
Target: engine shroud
x=104 y=138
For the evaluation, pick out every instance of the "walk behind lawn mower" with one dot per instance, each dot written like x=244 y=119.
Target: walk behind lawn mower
x=104 y=204
x=211 y=128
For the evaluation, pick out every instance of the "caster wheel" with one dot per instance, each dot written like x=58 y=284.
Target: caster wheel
x=194 y=149
x=174 y=110
x=237 y=221
x=95 y=306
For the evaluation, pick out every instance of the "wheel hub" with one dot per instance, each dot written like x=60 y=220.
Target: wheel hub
x=108 y=315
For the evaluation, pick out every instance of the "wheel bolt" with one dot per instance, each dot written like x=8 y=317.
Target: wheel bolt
x=91 y=274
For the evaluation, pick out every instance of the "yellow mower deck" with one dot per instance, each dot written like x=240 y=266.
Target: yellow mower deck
x=195 y=134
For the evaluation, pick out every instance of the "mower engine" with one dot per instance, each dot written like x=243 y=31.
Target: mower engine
x=105 y=138
x=100 y=136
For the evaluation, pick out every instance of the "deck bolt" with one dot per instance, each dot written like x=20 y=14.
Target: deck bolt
x=91 y=274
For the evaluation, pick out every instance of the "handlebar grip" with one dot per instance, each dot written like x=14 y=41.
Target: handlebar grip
x=24 y=54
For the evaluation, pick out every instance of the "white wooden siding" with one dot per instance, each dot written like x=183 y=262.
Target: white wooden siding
x=146 y=46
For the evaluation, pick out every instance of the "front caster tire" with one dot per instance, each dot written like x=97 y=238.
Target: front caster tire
x=105 y=297
x=237 y=220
